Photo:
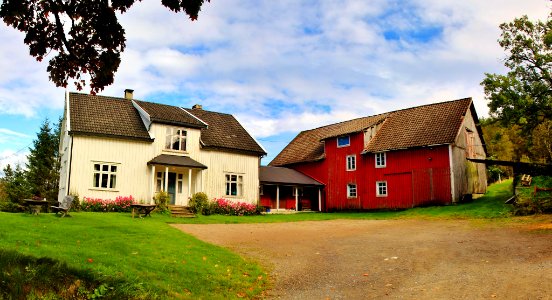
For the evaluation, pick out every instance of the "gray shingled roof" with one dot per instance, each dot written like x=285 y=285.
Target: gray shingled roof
x=278 y=175
x=432 y=124
x=167 y=114
x=225 y=132
x=425 y=125
x=105 y=116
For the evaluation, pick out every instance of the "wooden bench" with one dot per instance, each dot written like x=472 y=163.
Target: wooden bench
x=526 y=180
x=64 y=206
x=142 y=210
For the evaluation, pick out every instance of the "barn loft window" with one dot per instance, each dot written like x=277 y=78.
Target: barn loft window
x=234 y=185
x=381 y=188
x=343 y=141
x=380 y=160
x=175 y=139
x=105 y=176
x=351 y=190
x=351 y=162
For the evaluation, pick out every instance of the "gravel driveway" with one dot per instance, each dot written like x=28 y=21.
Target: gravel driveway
x=412 y=259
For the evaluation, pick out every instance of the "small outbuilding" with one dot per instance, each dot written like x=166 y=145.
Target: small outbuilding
x=288 y=189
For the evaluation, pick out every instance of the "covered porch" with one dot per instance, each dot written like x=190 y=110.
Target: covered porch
x=179 y=176
x=283 y=189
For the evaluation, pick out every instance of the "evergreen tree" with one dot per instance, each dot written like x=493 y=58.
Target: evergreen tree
x=15 y=185
x=43 y=163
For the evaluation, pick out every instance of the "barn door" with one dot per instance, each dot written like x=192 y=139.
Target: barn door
x=430 y=186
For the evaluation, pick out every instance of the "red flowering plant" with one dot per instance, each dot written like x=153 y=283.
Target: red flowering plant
x=226 y=207
x=120 y=204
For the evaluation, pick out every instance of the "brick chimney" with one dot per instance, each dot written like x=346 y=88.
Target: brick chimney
x=129 y=94
x=197 y=106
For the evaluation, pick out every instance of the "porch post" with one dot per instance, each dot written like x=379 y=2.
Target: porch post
x=189 y=183
x=152 y=183
x=278 y=197
x=166 y=179
x=319 y=199
x=296 y=199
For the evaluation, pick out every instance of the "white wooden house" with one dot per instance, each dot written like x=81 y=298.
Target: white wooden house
x=122 y=146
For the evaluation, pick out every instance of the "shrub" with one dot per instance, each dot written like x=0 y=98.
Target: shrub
x=76 y=205
x=162 y=199
x=120 y=204
x=198 y=203
x=226 y=207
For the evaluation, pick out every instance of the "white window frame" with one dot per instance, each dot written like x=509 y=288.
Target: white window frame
x=351 y=162
x=179 y=182
x=110 y=175
x=159 y=181
x=344 y=145
x=231 y=182
x=352 y=191
x=176 y=136
x=384 y=191
x=380 y=159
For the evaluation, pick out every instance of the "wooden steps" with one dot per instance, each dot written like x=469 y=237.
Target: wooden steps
x=179 y=211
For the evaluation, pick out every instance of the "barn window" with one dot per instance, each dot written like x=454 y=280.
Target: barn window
x=234 y=185
x=105 y=175
x=351 y=162
x=175 y=139
x=380 y=160
x=470 y=143
x=381 y=188
x=351 y=190
x=343 y=141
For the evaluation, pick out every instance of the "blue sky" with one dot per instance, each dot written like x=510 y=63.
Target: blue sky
x=280 y=66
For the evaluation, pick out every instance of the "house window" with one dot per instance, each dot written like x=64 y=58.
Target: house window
x=159 y=182
x=351 y=162
x=175 y=139
x=380 y=160
x=351 y=190
x=381 y=188
x=179 y=183
x=234 y=185
x=105 y=176
x=343 y=141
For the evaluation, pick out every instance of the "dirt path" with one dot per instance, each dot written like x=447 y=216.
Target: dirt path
x=359 y=259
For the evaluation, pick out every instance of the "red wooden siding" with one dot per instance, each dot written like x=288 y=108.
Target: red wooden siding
x=414 y=176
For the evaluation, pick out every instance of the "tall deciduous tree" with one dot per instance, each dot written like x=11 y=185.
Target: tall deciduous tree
x=524 y=95
x=85 y=35
x=43 y=163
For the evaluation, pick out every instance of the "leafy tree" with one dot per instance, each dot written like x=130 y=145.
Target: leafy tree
x=524 y=95
x=542 y=142
x=85 y=35
x=43 y=163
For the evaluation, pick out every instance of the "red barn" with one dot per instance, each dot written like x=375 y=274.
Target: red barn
x=401 y=159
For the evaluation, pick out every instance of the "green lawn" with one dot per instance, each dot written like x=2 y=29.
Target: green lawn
x=491 y=205
x=120 y=257
x=132 y=258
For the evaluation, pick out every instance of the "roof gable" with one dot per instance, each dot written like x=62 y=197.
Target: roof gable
x=308 y=145
x=225 y=132
x=105 y=116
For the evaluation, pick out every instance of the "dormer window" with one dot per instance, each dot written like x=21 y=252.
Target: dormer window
x=175 y=139
x=343 y=141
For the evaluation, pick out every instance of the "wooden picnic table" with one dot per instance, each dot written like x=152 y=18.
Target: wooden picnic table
x=35 y=205
x=142 y=210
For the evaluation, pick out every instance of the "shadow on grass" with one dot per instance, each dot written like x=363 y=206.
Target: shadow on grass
x=29 y=277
